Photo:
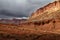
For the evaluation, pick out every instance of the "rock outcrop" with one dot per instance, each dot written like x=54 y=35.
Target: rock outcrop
x=47 y=18
x=46 y=12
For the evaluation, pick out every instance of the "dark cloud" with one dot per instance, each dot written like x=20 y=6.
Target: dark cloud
x=7 y=13
x=20 y=8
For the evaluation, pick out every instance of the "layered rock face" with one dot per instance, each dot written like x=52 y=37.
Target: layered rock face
x=47 y=17
x=46 y=12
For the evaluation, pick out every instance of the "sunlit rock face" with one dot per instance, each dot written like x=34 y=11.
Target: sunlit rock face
x=46 y=12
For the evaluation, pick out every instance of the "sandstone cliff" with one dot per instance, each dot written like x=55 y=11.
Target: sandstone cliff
x=46 y=12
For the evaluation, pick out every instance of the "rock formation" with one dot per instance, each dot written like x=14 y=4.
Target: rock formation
x=46 y=12
x=44 y=24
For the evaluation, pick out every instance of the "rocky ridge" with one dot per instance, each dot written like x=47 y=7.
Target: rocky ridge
x=46 y=12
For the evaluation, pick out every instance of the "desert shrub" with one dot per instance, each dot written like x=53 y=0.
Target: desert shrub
x=8 y=36
x=1 y=35
x=16 y=39
x=53 y=21
x=43 y=23
x=37 y=23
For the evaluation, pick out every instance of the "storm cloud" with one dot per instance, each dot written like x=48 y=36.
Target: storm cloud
x=20 y=8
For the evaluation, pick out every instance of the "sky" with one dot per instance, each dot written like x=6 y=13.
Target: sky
x=20 y=8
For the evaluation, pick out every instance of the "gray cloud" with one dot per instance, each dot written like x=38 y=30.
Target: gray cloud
x=20 y=8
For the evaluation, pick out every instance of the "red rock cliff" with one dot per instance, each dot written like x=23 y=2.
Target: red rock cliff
x=46 y=10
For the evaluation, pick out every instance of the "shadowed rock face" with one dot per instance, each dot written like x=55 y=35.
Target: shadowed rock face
x=30 y=37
